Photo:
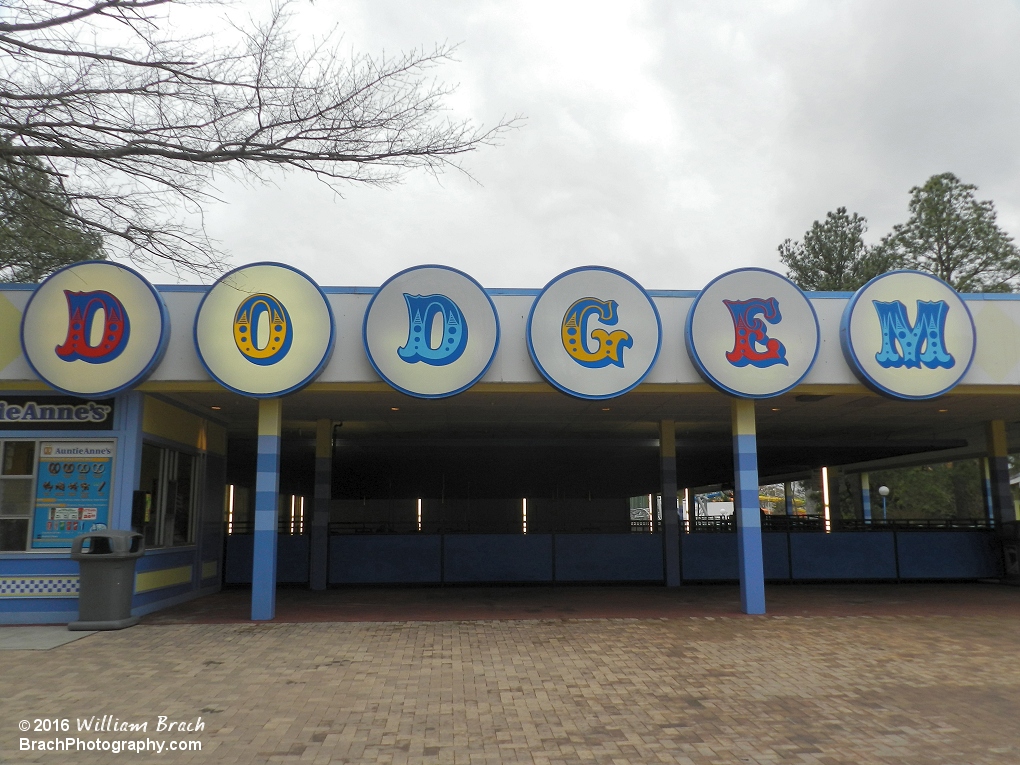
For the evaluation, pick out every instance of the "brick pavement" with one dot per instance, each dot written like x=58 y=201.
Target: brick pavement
x=816 y=690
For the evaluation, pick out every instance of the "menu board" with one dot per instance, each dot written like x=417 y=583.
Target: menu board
x=72 y=494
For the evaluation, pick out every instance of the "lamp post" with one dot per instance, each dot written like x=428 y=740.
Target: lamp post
x=884 y=492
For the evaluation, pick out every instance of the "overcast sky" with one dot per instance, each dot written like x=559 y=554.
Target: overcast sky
x=671 y=140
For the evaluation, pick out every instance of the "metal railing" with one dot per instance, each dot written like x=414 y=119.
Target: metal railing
x=695 y=525
x=816 y=523
x=283 y=527
x=394 y=527
x=914 y=524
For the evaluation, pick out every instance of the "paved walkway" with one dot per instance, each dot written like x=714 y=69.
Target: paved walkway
x=918 y=689
x=381 y=604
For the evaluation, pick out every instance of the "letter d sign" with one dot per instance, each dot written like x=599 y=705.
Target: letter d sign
x=94 y=329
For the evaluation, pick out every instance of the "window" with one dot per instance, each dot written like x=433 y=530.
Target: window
x=164 y=508
x=16 y=473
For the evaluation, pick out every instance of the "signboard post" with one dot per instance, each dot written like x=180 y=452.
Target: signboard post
x=265 y=330
x=753 y=334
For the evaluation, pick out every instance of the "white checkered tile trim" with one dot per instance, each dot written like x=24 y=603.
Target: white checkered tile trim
x=38 y=586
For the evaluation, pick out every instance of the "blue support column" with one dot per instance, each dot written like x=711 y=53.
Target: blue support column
x=1002 y=508
x=130 y=407
x=319 y=571
x=670 y=521
x=788 y=496
x=866 y=496
x=986 y=486
x=267 y=491
x=747 y=508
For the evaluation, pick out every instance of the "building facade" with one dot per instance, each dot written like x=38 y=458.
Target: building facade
x=266 y=429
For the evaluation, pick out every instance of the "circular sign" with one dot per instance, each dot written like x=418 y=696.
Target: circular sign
x=264 y=330
x=94 y=329
x=431 y=331
x=594 y=332
x=908 y=334
x=752 y=333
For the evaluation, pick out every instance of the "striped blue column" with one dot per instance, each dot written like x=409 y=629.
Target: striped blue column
x=747 y=507
x=670 y=521
x=986 y=487
x=267 y=492
x=129 y=411
x=788 y=496
x=866 y=496
x=319 y=567
x=1001 y=507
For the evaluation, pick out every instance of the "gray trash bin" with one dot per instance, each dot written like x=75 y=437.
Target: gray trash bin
x=106 y=582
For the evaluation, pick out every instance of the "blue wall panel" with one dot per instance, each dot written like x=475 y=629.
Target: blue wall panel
x=776 y=551
x=843 y=555
x=163 y=593
x=38 y=565
x=38 y=610
x=709 y=556
x=949 y=555
x=386 y=558
x=291 y=558
x=237 y=565
x=609 y=558
x=498 y=558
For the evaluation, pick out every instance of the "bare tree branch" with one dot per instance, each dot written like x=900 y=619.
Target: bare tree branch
x=136 y=118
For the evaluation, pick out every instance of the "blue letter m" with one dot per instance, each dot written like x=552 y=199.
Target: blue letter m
x=922 y=344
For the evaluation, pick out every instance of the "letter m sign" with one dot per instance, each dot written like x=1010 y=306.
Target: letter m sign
x=921 y=344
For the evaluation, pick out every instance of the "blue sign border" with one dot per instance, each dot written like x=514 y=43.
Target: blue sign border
x=565 y=389
x=311 y=376
x=157 y=354
x=850 y=355
x=387 y=380
x=692 y=352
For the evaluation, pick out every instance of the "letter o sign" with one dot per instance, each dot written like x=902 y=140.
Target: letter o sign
x=264 y=330
x=94 y=329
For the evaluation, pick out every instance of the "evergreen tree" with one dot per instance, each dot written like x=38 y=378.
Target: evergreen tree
x=833 y=256
x=38 y=230
x=954 y=236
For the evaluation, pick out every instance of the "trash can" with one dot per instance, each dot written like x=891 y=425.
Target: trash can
x=106 y=581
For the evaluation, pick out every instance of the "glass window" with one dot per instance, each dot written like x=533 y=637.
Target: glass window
x=19 y=457
x=166 y=507
x=13 y=534
x=16 y=497
x=149 y=486
x=16 y=500
x=184 y=501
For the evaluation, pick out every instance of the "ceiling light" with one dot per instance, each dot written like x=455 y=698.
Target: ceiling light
x=394 y=408
x=775 y=409
x=217 y=408
x=943 y=410
x=605 y=409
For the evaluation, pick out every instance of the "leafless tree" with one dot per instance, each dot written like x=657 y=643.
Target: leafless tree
x=136 y=121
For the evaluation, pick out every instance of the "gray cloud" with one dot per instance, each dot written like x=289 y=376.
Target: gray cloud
x=672 y=141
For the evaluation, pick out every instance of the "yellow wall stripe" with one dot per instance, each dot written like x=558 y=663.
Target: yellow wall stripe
x=161 y=419
x=209 y=569
x=167 y=577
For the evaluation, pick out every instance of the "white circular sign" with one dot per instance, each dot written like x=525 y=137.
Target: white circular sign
x=594 y=332
x=908 y=334
x=264 y=330
x=752 y=333
x=431 y=331
x=94 y=329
